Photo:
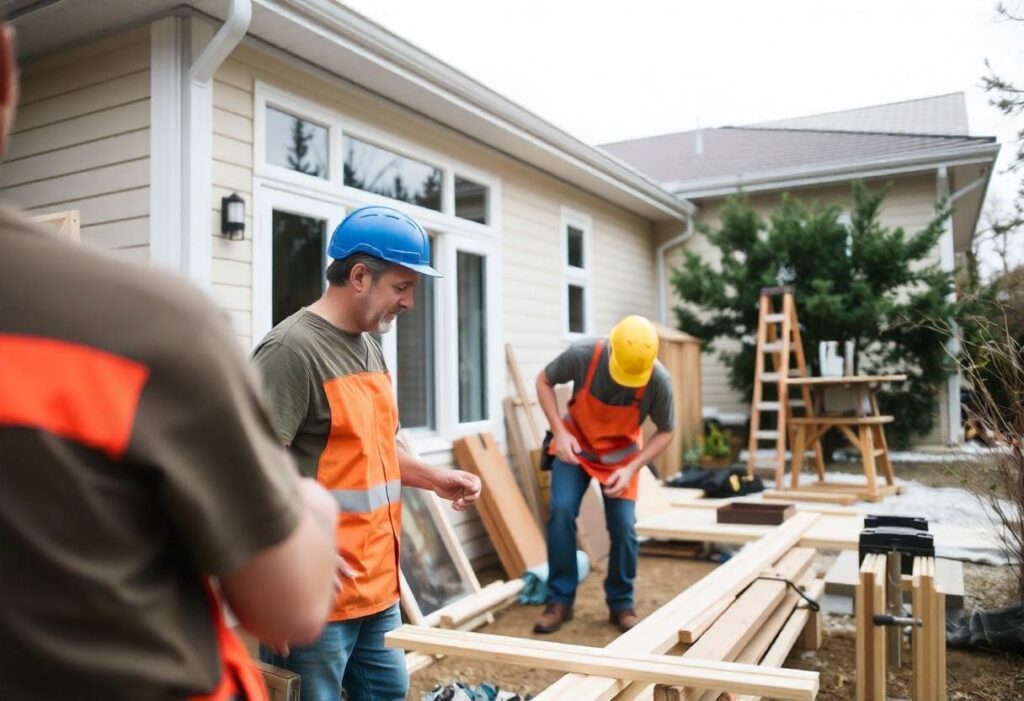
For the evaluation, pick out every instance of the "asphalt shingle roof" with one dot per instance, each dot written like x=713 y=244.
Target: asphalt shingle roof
x=866 y=134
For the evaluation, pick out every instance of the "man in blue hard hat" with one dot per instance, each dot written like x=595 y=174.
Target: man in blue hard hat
x=332 y=404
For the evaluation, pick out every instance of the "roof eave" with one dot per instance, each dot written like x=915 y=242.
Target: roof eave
x=834 y=172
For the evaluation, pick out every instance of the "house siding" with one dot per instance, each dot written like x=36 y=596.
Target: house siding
x=530 y=207
x=910 y=204
x=81 y=141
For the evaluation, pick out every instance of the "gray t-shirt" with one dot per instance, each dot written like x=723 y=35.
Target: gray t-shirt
x=572 y=365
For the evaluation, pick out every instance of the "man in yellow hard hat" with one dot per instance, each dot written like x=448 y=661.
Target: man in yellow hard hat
x=617 y=383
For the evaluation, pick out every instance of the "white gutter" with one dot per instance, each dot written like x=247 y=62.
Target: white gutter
x=227 y=38
x=660 y=262
x=805 y=177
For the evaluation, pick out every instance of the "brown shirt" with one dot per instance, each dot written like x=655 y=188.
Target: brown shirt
x=136 y=459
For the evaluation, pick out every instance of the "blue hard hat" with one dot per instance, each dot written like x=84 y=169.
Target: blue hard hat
x=385 y=233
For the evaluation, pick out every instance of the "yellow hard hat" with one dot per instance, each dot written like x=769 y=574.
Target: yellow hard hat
x=634 y=346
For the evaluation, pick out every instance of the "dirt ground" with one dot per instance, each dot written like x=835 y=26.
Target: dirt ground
x=971 y=675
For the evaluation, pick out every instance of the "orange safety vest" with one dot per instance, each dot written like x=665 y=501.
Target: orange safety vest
x=239 y=678
x=360 y=468
x=609 y=436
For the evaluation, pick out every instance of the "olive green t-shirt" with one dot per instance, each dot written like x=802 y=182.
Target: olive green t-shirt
x=294 y=360
x=136 y=460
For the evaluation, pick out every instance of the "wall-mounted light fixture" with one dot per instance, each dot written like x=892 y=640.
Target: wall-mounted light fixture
x=232 y=216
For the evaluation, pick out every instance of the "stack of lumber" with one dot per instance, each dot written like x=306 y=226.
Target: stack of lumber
x=660 y=631
x=746 y=627
x=512 y=529
x=540 y=654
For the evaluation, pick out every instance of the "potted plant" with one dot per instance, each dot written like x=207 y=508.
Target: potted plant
x=717 y=452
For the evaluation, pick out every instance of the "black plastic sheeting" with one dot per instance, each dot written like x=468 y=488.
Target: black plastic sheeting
x=992 y=629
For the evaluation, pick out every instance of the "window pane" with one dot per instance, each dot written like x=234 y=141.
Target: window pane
x=575 y=243
x=298 y=264
x=470 y=200
x=576 y=310
x=296 y=144
x=472 y=337
x=377 y=170
x=415 y=342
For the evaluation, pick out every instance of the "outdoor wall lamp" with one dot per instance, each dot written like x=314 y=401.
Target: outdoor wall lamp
x=232 y=216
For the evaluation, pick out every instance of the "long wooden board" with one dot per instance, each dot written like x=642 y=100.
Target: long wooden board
x=507 y=518
x=778 y=683
x=659 y=631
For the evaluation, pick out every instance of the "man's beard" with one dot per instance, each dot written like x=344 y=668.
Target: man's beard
x=385 y=326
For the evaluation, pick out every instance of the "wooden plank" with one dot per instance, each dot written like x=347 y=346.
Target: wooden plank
x=484 y=601
x=506 y=516
x=691 y=631
x=415 y=661
x=781 y=684
x=659 y=631
x=524 y=396
x=801 y=505
x=282 y=684
x=521 y=459
x=650 y=497
x=795 y=495
x=65 y=224
x=785 y=640
x=870 y=599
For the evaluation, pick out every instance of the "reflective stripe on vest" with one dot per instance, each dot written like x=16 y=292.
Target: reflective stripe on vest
x=363 y=501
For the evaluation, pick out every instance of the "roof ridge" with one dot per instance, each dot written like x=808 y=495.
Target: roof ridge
x=749 y=127
x=864 y=107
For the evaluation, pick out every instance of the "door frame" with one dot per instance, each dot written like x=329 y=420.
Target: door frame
x=268 y=199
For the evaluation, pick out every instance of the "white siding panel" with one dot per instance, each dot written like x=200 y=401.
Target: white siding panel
x=232 y=297
x=128 y=204
x=90 y=127
x=232 y=99
x=99 y=181
x=229 y=124
x=233 y=151
x=233 y=250
x=127 y=233
x=83 y=157
x=232 y=272
x=85 y=100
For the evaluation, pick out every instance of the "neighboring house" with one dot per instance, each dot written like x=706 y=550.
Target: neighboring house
x=136 y=115
x=920 y=146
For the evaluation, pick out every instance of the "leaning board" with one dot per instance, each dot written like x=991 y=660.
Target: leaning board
x=507 y=519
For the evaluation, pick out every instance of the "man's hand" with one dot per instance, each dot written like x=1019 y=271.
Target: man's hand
x=618 y=483
x=460 y=488
x=566 y=447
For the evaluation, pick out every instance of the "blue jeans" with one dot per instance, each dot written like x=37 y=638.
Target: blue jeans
x=349 y=655
x=568 y=485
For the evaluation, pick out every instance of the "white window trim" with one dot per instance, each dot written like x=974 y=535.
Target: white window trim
x=268 y=198
x=574 y=275
x=273 y=184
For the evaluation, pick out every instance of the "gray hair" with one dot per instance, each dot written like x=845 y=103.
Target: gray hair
x=339 y=271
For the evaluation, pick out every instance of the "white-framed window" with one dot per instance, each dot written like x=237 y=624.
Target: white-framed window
x=444 y=354
x=575 y=232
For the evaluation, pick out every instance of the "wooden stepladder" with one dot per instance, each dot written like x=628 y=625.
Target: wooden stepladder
x=778 y=336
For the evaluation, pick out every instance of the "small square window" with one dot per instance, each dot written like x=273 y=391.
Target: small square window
x=471 y=200
x=574 y=239
x=296 y=144
x=577 y=310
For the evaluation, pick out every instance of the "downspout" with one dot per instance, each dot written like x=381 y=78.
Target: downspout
x=224 y=42
x=948 y=253
x=660 y=263
x=197 y=135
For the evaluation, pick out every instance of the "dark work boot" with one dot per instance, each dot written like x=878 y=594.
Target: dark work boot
x=624 y=618
x=552 y=619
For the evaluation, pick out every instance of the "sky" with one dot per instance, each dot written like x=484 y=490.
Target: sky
x=609 y=71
